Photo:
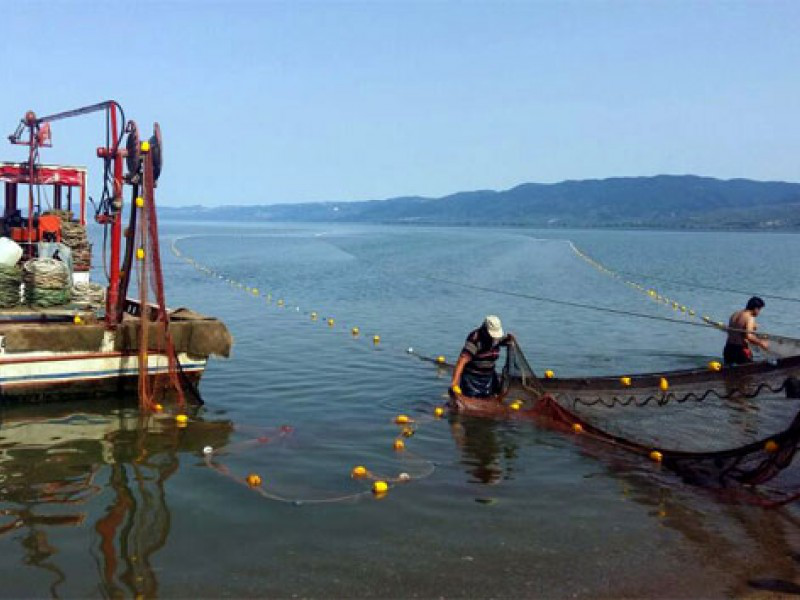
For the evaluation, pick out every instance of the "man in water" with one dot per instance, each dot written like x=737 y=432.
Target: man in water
x=474 y=375
x=741 y=333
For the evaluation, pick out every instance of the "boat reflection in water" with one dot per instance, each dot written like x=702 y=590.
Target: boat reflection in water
x=92 y=465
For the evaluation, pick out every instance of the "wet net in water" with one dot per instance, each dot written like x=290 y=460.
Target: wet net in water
x=661 y=416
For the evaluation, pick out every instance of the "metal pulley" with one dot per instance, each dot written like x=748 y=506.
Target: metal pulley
x=156 y=150
x=133 y=153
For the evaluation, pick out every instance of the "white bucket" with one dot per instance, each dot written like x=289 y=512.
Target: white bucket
x=10 y=252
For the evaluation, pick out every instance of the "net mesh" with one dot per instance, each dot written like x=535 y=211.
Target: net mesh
x=782 y=346
x=641 y=424
x=151 y=282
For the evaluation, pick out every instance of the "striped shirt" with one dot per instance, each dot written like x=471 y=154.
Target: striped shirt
x=482 y=351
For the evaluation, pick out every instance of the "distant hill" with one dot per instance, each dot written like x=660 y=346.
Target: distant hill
x=663 y=201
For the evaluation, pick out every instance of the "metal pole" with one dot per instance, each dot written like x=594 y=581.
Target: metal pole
x=83 y=199
x=31 y=153
x=113 y=314
x=74 y=113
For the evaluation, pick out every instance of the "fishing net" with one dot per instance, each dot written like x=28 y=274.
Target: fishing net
x=152 y=301
x=47 y=282
x=782 y=346
x=73 y=234
x=89 y=294
x=10 y=282
x=716 y=382
x=575 y=405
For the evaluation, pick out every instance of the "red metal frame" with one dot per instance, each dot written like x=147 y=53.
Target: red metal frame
x=45 y=174
x=113 y=314
x=39 y=136
x=16 y=174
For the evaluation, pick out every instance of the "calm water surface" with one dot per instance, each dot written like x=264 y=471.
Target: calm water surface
x=94 y=502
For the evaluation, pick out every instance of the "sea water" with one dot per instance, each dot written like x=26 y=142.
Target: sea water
x=96 y=502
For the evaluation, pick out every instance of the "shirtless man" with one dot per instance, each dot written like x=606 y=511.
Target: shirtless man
x=741 y=333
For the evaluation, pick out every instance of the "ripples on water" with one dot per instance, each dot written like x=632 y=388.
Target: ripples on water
x=95 y=503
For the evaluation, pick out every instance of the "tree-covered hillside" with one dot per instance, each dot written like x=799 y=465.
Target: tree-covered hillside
x=670 y=201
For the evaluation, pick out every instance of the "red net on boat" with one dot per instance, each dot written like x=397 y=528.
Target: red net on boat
x=150 y=278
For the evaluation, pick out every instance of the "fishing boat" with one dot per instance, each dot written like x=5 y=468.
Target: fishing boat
x=740 y=472
x=106 y=342
x=777 y=375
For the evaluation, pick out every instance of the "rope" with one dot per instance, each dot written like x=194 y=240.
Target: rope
x=10 y=282
x=664 y=399
x=605 y=309
x=661 y=298
x=649 y=292
x=712 y=288
x=424 y=468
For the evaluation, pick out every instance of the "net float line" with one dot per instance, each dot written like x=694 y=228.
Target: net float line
x=277 y=301
x=790 y=346
x=784 y=346
x=651 y=293
x=748 y=465
x=380 y=484
x=793 y=342
x=619 y=274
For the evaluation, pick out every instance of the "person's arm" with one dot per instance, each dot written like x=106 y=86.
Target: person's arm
x=751 y=336
x=463 y=359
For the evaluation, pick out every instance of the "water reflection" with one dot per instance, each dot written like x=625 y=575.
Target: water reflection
x=488 y=448
x=759 y=547
x=727 y=534
x=95 y=465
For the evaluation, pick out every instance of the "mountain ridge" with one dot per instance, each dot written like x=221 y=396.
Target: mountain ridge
x=659 y=201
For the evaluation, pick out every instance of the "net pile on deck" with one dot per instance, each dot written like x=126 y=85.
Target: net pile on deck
x=47 y=282
x=10 y=282
x=73 y=234
x=681 y=440
x=89 y=294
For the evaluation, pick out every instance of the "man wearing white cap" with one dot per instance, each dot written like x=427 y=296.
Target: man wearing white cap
x=474 y=375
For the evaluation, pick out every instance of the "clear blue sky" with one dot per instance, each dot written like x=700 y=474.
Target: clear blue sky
x=265 y=102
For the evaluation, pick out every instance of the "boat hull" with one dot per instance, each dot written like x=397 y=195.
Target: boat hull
x=59 y=376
